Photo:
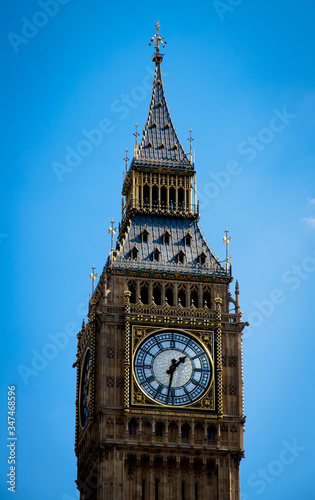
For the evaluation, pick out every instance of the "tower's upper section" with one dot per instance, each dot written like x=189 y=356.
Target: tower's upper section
x=158 y=230
x=160 y=145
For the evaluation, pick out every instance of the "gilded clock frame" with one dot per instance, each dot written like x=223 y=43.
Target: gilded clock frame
x=207 y=340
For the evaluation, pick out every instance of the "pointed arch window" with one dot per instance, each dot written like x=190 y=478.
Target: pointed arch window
x=202 y=258
x=134 y=253
x=187 y=239
x=166 y=237
x=162 y=145
x=153 y=125
x=181 y=257
x=156 y=255
x=185 y=431
x=149 y=145
x=211 y=432
x=145 y=235
x=159 y=427
x=167 y=125
x=159 y=104
x=132 y=427
x=175 y=146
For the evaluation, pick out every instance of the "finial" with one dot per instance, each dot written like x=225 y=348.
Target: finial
x=136 y=135
x=126 y=159
x=157 y=56
x=190 y=139
x=112 y=231
x=93 y=276
x=226 y=240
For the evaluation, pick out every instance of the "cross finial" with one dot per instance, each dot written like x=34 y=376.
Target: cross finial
x=190 y=139
x=126 y=159
x=136 y=135
x=157 y=56
x=226 y=240
x=93 y=276
x=112 y=231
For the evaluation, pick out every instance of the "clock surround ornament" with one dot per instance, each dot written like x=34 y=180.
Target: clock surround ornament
x=173 y=368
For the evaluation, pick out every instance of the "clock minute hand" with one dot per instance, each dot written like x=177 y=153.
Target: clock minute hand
x=171 y=371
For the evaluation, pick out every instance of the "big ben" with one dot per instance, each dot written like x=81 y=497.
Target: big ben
x=159 y=401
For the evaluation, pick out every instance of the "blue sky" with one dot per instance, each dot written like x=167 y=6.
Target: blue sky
x=241 y=75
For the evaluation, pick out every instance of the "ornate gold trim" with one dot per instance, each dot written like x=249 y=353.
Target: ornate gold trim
x=139 y=398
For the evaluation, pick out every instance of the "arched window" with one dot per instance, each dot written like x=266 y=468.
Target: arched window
x=146 y=195
x=172 y=432
x=157 y=294
x=181 y=257
x=182 y=296
x=187 y=240
x=163 y=196
x=156 y=255
x=181 y=198
x=132 y=289
x=206 y=298
x=202 y=258
x=166 y=237
x=169 y=294
x=132 y=427
x=145 y=235
x=134 y=253
x=155 y=195
x=185 y=431
x=159 y=428
x=211 y=432
x=172 y=196
x=194 y=297
x=144 y=293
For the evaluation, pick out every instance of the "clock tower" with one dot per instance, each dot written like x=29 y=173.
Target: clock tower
x=159 y=404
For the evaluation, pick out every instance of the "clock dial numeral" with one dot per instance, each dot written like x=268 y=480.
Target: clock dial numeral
x=172 y=368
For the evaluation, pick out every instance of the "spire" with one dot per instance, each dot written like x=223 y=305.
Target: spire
x=160 y=143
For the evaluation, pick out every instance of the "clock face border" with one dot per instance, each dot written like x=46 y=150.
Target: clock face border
x=82 y=375
x=138 y=396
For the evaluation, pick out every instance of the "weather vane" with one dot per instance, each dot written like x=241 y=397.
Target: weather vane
x=226 y=240
x=112 y=231
x=93 y=276
x=158 y=40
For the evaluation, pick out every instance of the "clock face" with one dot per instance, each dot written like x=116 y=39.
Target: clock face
x=85 y=389
x=172 y=368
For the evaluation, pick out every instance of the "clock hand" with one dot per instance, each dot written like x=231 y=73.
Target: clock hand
x=171 y=371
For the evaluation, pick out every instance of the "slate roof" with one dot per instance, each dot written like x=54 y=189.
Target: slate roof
x=160 y=140
x=178 y=229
